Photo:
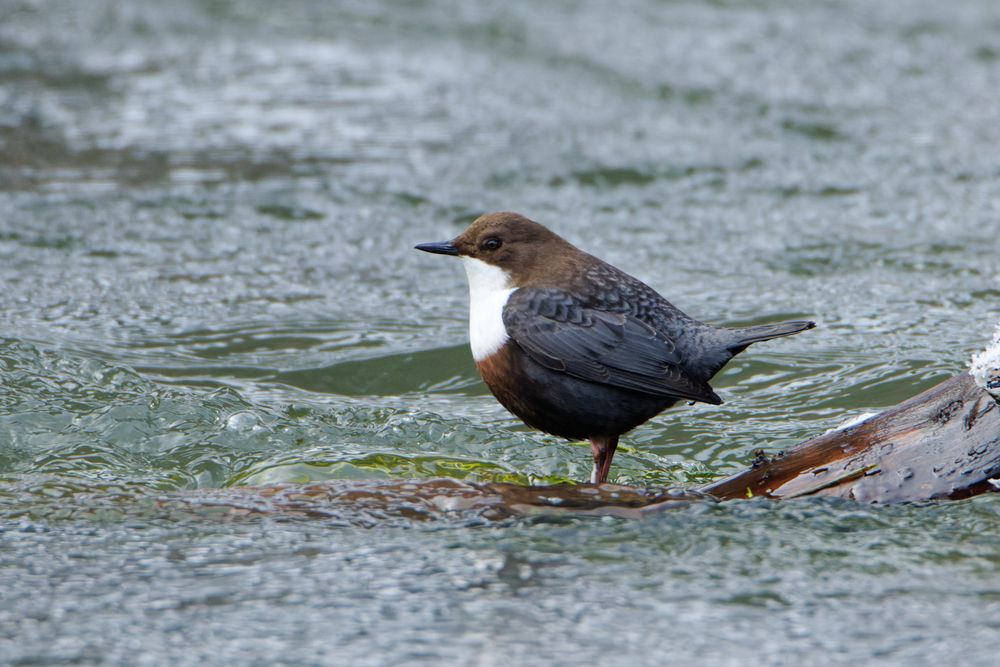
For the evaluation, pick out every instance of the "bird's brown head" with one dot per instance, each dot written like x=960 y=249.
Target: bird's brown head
x=525 y=252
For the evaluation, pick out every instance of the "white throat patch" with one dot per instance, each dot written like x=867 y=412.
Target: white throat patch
x=489 y=289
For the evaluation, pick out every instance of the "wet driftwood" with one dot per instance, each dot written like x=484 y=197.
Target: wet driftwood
x=372 y=502
x=942 y=444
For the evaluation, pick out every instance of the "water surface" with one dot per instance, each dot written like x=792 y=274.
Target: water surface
x=207 y=213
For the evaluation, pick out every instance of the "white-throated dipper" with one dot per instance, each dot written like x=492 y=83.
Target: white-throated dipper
x=577 y=348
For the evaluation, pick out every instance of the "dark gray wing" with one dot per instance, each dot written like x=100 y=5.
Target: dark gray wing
x=559 y=332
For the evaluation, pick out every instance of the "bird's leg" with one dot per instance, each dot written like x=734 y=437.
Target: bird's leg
x=604 y=450
x=609 y=454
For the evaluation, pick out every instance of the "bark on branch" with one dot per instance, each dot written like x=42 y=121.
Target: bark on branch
x=943 y=443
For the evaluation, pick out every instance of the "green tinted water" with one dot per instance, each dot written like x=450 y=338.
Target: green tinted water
x=207 y=212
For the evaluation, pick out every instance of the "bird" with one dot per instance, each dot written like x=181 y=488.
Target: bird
x=576 y=347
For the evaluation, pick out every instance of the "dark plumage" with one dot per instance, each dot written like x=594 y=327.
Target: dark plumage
x=576 y=347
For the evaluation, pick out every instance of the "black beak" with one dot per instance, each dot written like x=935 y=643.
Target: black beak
x=440 y=248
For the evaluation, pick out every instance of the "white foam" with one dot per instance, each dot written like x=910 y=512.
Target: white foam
x=986 y=366
x=852 y=421
x=489 y=289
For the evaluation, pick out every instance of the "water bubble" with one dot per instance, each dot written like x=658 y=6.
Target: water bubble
x=243 y=422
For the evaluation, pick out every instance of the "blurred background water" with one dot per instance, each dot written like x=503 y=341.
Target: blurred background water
x=207 y=213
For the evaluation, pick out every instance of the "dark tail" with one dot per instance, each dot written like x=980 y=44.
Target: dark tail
x=752 y=335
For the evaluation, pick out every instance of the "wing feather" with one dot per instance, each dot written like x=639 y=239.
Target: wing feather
x=558 y=331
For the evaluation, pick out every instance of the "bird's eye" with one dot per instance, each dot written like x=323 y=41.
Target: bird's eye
x=491 y=243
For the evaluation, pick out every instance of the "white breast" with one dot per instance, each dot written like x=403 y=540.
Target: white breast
x=489 y=289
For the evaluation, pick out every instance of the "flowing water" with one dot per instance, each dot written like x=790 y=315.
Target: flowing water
x=207 y=213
